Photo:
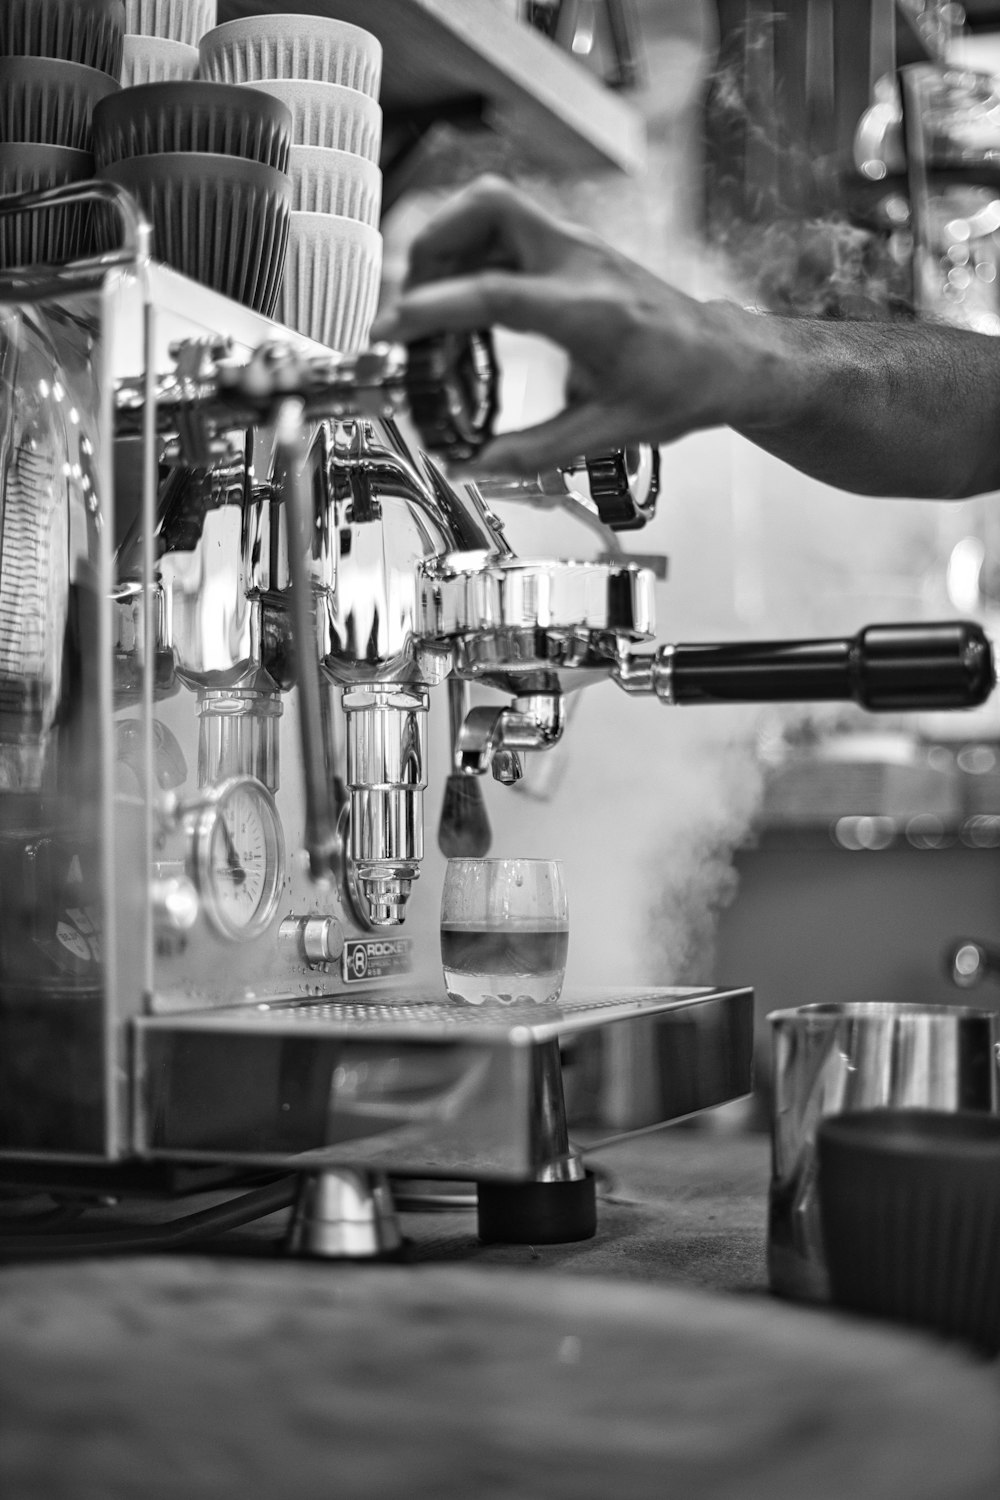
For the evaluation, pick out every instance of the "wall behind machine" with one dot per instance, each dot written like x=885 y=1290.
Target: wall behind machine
x=647 y=805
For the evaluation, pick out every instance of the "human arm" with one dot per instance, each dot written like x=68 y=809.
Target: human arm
x=872 y=407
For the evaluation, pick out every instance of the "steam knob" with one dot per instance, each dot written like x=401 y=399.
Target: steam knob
x=316 y=940
x=176 y=905
x=622 y=485
x=618 y=489
x=506 y=767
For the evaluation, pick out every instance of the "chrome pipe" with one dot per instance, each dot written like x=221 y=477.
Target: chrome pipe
x=386 y=759
x=321 y=836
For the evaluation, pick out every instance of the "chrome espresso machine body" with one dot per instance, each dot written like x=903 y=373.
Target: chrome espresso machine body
x=231 y=584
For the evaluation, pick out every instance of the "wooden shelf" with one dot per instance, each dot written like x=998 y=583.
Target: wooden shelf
x=446 y=56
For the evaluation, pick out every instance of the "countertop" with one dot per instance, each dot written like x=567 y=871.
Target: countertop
x=650 y=1361
x=682 y=1207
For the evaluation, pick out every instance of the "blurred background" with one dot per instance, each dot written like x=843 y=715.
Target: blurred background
x=813 y=852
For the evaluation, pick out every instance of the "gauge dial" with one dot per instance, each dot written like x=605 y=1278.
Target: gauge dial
x=239 y=857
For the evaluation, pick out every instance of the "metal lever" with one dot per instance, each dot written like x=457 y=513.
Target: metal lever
x=321 y=836
x=884 y=668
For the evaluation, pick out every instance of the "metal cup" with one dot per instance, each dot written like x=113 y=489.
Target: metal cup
x=830 y=1058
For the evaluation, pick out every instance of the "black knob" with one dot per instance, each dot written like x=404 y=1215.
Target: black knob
x=624 y=485
x=451 y=387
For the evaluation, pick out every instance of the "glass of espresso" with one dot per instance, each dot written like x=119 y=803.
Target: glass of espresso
x=504 y=931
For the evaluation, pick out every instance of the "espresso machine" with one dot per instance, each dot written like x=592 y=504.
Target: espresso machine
x=235 y=580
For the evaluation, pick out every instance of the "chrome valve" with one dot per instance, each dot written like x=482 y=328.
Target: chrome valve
x=447 y=384
x=616 y=490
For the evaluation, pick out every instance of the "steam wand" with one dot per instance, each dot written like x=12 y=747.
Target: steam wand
x=321 y=836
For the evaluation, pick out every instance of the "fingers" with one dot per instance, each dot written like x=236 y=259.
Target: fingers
x=487 y=300
x=472 y=255
x=566 y=437
x=491 y=223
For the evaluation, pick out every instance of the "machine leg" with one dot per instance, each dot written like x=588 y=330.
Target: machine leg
x=344 y=1214
x=558 y=1205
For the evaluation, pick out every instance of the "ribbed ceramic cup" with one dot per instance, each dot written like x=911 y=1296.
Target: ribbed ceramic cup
x=50 y=101
x=326 y=181
x=48 y=236
x=222 y=220
x=330 y=288
x=178 y=20
x=155 y=59
x=191 y=115
x=832 y=1059
x=282 y=46
x=82 y=31
x=327 y=114
x=910 y=1209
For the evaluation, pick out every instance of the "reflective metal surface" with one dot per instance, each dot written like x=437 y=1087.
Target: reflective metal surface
x=527 y=625
x=231 y=610
x=618 y=490
x=833 y=1058
x=238 y=735
x=410 y=1084
x=344 y=1214
x=386 y=758
x=382 y=513
x=50 y=501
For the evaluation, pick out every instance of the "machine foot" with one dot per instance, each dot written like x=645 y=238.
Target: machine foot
x=537 y=1213
x=345 y=1215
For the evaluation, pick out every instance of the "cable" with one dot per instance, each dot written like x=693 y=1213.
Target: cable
x=19 y=1224
x=217 y=1220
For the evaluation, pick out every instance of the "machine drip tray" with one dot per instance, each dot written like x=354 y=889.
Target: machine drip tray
x=404 y=1082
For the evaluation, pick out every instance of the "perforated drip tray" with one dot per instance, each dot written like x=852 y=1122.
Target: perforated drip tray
x=405 y=1082
x=426 y=1016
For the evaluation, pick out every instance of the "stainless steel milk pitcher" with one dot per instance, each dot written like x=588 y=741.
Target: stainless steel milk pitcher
x=830 y=1058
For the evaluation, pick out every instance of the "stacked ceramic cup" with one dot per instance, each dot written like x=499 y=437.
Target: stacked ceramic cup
x=207 y=164
x=58 y=59
x=161 y=40
x=328 y=73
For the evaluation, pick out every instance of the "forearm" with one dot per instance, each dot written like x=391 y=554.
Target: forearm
x=876 y=408
x=879 y=408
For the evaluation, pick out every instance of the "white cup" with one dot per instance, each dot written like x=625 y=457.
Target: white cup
x=327 y=114
x=327 y=181
x=156 y=59
x=282 y=46
x=330 y=287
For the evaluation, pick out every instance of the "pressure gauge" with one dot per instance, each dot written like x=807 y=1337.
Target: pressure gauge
x=238 y=856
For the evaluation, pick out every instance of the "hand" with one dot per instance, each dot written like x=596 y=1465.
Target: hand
x=646 y=362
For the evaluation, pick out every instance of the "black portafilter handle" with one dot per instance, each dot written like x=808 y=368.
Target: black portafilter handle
x=884 y=668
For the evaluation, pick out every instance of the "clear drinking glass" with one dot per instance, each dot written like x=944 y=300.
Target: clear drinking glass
x=504 y=931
